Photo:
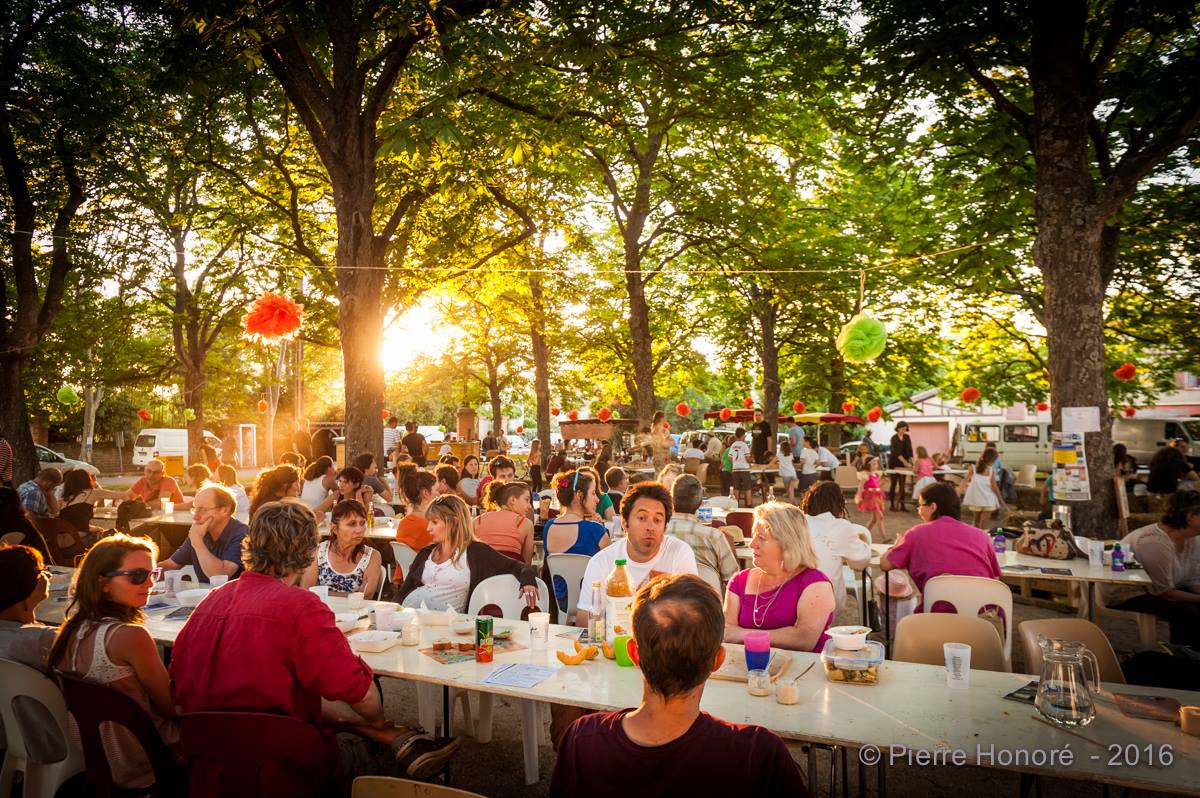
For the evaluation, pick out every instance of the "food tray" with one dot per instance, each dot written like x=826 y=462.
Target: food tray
x=853 y=667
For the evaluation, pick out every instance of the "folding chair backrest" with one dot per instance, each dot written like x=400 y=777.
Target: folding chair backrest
x=503 y=593
x=569 y=568
x=1079 y=629
x=34 y=714
x=245 y=754
x=969 y=595
x=743 y=520
x=921 y=637
x=93 y=704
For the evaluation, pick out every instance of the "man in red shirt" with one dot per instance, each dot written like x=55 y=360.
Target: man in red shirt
x=263 y=644
x=155 y=485
x=667 y=746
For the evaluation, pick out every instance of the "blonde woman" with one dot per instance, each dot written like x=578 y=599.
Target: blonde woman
x=668 y=474
x=784 y=592
x=446 y=572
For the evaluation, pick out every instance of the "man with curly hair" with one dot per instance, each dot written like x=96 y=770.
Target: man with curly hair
x=263 y=644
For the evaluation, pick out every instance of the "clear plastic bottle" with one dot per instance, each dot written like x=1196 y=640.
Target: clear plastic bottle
x=596 y=618
x=1118 y=558
x=733 y=497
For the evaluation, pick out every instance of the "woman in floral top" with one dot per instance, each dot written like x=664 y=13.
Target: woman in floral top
x=345 y=562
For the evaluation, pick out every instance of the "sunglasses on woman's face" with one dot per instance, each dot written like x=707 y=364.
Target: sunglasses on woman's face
x=138 y=576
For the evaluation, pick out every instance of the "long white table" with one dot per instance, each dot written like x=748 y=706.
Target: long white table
x=910 y=710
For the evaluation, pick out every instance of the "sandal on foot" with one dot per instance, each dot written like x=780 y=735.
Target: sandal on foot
x=404 y=743
x=425 y=757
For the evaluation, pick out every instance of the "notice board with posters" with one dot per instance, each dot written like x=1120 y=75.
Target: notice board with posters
x=1071 y=483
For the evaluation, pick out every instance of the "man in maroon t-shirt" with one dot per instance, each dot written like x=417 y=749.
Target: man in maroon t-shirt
x=667 y=746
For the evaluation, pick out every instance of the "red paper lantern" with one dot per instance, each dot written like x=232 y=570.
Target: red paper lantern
x=847 y=407
x=667 y=425
x=969 y=395
x=1042 y=406
x=386 y=414
x=554 y=411
x=604 y=414
x=272 y=317
x=682 y=409
x=143 y=414
x=1129 y=412
x=1126 y=372
x=520 y=429
x=747 y=403
x=573 y=415
x=797 y=407
x=874 y=414
x=263 y=406
x=726 y=414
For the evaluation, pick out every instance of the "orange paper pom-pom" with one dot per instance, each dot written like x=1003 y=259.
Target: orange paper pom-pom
x=682 y=409
x=263 y=406
x=143 y=414
x=272 y=317
x=1042 y=406
x=666 y=425
x=874 y=414
x=1126 y=372
x=726 y=414
x=969 y=395
x=847 y=407
x=520 y=429
x=605 y=414
x=573 y=415
x=747 y=403
x=554 y=411
x=386 y=414
x=1129 y=412
x=797 y=407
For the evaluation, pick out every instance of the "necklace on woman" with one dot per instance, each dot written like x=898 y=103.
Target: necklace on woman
x=757 y=619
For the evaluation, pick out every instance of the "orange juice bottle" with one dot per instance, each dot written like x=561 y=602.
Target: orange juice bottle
x=618 y=602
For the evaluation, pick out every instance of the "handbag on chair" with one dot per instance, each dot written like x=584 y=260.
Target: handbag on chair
x=1055 y=543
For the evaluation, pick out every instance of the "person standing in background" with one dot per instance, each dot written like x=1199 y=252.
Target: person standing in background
x=415 y=443
x=301 y=440
x=229 y=449
x=900 y=456
x=391 y=436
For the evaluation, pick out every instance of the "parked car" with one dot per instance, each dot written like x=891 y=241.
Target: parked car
x=48 y=458
x=1018 y=442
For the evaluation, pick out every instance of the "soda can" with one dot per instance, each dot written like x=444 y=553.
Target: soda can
x=484 y=642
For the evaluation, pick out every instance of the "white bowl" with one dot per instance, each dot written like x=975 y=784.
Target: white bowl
x=348 y=621
x=191 y=598
x=463 y=626
x=849 y=638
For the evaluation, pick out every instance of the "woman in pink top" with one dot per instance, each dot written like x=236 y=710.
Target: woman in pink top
x=506 y=526
x=942 y=544
x=785 y=591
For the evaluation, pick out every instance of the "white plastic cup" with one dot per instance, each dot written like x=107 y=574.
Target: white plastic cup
x=174 y=579
x=218 y=580
x=385 y=617
x=539 y=630
x=1095 y=552
x=958 y=665
x=168 y=507
x=322 y=591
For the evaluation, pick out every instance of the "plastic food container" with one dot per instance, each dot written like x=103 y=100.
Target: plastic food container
x=373 y=641
x=349 y=621
x=853 y=667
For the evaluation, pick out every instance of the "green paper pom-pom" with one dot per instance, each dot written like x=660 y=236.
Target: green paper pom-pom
x=862 y=339
x=67 y=395
x=189 y=414
x=616 y=414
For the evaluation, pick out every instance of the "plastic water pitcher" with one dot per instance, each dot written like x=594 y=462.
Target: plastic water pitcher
x=1064 y=696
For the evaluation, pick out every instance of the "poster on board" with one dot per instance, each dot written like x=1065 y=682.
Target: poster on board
x=1070 y=476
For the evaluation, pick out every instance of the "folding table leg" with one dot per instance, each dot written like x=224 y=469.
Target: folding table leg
x=447 y=726
x=529 y=739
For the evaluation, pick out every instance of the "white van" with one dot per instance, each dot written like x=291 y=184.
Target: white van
x=159 y=442
x=1019 y=442
x=1145 y=436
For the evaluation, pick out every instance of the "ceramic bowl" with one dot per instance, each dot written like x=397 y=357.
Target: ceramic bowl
x=849 y=638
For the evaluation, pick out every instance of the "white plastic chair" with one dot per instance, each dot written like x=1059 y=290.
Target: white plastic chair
x=504 y=591
x=1026 y=477
x=710 y=575
x=12 y=538
x=969 y=595
x=404 y=555
x=20 y=682
x=570 y=567
x=1147 y=624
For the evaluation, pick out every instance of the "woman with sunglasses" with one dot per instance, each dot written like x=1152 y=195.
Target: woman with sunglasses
x=446 y=572
x=103 y=641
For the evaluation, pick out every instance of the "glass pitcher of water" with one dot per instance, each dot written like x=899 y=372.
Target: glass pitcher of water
x=1064 y=696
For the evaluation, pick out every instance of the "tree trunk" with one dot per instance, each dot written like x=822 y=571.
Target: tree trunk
x=837 y=393
x=769 y=354
x=541 y=362
x=360 y=278
x=639 y=330
x=14 y=419
x=1069 y=248
x=92 y=396
x=193 y=397
x=495 y=402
